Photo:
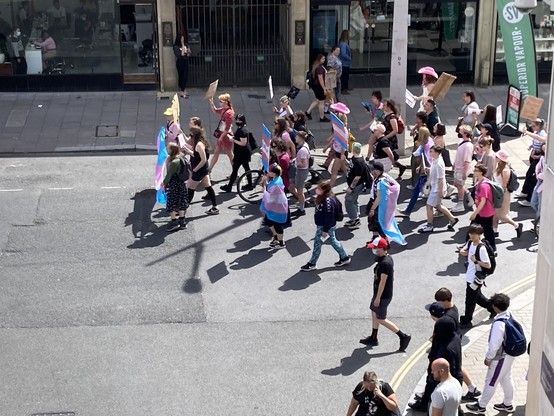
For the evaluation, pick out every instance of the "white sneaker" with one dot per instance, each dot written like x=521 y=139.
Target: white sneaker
x=450 y=190
x=410 y=187
x=524 y=203
x=458 y=208
x=469 y=199
x=428 y=228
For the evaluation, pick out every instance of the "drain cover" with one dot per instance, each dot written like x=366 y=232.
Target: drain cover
x=256 y=96
x=55 y=414
x=107 y=131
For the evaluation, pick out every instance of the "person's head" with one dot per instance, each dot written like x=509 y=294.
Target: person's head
x=466 y=132
x=439 y=129
x=56 y=4
x=335 y=50
x=319 y=60
x=379 y=246
x=280 y=126
x=435 y=152
x=443 y=295
x=195 y=122
x=357 y=149
x=240 y=120
x=284 y=101
x=376 y=97
x=342 y=117
x=279 y=146
x=169 y=114
x=377 y=169
x=489 y=113
x=344 y=36
x=225 y=100
x=16 y=31
x=45 y=35
x=436 y=310
x=300 y=117
x=429 y=105
x=274 y=171
x=485 y=144
x=423 y=134
x=500 y=302
x=480 y=171
x=502 y=160
x=198 y=135
x=173 y=150
x=421 y=118
x=537 y=125
x=440 y=368
x=323 y=191
x=469 y=97
x=390 y=106
x=428 y=79
x=301 y=137
x=379 y=130
x=475 y=232
x=370 y=380
x=485 y=129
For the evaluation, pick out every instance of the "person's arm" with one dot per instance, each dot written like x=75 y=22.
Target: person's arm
x=485 y=262
x=291 y=146
x=375 y=204
x=352 y=407
x=480 y=206
x=389 y=153
x=391 y=402
x=394 y=125
x=172 y=169
x=328 y=143
x=354 y=183
x=496 y=339
x=536 y=136
x=436 y=411
x=321 y=80
x=212 y=105
x=202 y=152
x=370 y=144
x=329 y=221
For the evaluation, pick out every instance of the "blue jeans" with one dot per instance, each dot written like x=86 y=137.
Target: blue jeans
x=418 y=188
x=536 y=200
x=351 y=202
x=332 y=240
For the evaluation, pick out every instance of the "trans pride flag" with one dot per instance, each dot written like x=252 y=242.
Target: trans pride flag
x=266 y=142
x=161 y=197
x=340 y=132
x=388 y=196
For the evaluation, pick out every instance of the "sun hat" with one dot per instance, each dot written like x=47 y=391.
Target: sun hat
x=340 y=108
x=168 y=112
x=436 y=309
x=503 y=155
x=428 y=71
x=379 y=242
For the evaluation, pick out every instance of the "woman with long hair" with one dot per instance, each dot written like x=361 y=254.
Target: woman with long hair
x=538 y=135
x=502 y=177
x=390 y=121
x=326 y=206
x=373 y=396
x=469 y=112
x=275 y=206
x=428 y=81
x=176 y=189
x=489 y=117
x=221 y=133
x=199 y=165
x=182 y=53
x=318 y=87
x=281 y=132
x=346 y=58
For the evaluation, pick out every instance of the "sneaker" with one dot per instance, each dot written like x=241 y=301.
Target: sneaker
x=519 y=230
x=458 y=208
x=182 y=224
x=307 y=267
x=428 y=228
x=524 y=203
x=453 y=224
x=323 y=165
x=438 y=214
x=370 y=342
x=419 y=406
x=501 y=407
x=521 y=195
x=349 y=223
x=469 y=200
x=308 y=116
x=466 y=325
x=404 y=342
x=354 y=225
x=225 y=188
x=410 y=187
x=274 y=243
x=403 y=213
x=205 y=197
x=324 y=120
x=471 y=396
x=298 y=213
x=280 y=245
x=496 y=234
x=172 y=226
x=475 y=408
x=401 y=171
x=449 y=191
x=247 y=187
x=212 y=211
x=343 y=262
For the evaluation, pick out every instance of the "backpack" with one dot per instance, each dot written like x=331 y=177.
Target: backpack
x=252 y=143
x=339 y=213
x=492 y=258
x=497 y=194
x=401 y=124
x=366 y=177
x=310 y=140
x=513 y=183
x=184 y=172
x=515 y=343
x=309 y=79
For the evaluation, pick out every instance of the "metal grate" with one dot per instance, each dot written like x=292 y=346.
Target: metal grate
x=107 y=131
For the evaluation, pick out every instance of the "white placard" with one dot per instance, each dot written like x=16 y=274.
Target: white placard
x=410 y=99
x=498 y=115
x=270 y=88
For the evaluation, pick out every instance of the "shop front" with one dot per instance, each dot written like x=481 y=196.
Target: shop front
x=78 y=45
x=441 y=34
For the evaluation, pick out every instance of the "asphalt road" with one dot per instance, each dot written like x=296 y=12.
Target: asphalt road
x=104 y=313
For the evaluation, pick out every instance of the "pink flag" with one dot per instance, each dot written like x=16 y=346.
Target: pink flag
x=340 y=132
x=266 y=142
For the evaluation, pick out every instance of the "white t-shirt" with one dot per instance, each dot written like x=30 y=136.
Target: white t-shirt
x=447 y=396
x=303 y=155
x=437 y=174
x=467 y=112
x=472 y=267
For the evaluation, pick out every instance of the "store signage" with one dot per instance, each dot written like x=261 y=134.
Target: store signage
x=519 y=47
x=513 y=106
x=167 y=33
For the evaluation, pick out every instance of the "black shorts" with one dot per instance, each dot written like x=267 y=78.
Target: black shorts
x=319 y=93
x=198 y=176
x=381 y=311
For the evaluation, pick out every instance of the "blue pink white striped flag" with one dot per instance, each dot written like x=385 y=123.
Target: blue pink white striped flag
x=388 y=196
x=160 y=167
x=340 y=132
x=266 y=142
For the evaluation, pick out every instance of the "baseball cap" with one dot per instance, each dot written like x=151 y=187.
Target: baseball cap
x=436 y=309
x=379 y=242
x=357 y=148
x=378 y=166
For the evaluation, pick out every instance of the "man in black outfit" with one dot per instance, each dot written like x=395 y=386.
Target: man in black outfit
x=382 y=295
x=358 y=176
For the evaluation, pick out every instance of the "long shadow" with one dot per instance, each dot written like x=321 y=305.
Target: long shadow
x=146 y=232
x=249 y=242
x=349 y=365
x=251 y=259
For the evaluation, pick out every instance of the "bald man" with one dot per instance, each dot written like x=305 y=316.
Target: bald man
x=445 y=400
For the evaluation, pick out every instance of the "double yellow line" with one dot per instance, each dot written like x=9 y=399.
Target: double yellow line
x=420 y=352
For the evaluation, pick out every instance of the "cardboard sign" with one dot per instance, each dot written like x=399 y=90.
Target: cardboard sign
x=211 y=90
x=410 y=99
x=531 y=107
x=442 y=86
x=331 y=79
x=175 y=106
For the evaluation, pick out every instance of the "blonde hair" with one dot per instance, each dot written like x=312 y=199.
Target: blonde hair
x=423 y=135
x=227 y=98
x=369 y=377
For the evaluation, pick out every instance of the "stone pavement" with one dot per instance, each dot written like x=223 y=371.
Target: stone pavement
x=476 y=342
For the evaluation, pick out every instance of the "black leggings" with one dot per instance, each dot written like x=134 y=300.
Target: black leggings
x=211 y=195
x=474 y=297
x=530 y=179
x=236 y=165
x=183 y=73
x=277 y=226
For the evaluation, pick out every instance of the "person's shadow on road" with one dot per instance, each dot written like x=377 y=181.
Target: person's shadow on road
x=349 y=365
x=146 y=232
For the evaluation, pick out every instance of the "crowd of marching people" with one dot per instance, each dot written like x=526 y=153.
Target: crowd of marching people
x=478 y=178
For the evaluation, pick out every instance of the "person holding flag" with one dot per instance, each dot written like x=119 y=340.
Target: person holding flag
x=339 y=145
x=275 y=206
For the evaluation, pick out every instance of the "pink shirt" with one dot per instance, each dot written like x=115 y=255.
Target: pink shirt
x=47 y=45
x=484 y=190
x=464 y=155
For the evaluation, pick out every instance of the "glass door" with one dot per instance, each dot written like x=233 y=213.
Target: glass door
x=139 y=43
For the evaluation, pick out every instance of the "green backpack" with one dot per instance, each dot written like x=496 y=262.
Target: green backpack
x=497 y=194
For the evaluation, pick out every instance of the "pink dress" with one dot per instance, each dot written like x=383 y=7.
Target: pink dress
x=225 y=124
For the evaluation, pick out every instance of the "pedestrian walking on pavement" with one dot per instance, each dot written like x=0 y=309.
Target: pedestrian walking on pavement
x=325 y=217
x=462 y=167
x=318 y=87
x=346 y=58
x=473 y=289
x=275 y=206
x=241 y=152
x=357 y=178
x=536 y=198
x=538 y=135
x=498 y=361
x=383 y=282
x=484 y=207
x=447 y=396
x=373 y=396
x=176 y=189
x=182 y=52
x=501 y=176
x=200 y=172
x=221 y=133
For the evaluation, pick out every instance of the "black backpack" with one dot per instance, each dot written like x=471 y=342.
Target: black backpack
x=184 y=172
x=309 y=79
x=492 y=258
x=513 y=183
x=339 y=213
x=252 y=143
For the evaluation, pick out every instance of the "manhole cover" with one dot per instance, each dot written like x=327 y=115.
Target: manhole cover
x=256 y=96
x=107 y=131
x=55 y=414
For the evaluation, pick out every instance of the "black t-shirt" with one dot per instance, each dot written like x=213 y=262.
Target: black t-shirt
x=432 y=119
x=369 y=404
x=452 y=313
x=385 y=265
x=241 y=152
x=378 y=147
x=357 y=168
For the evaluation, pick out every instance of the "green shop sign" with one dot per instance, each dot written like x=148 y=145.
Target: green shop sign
x=519 y=47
